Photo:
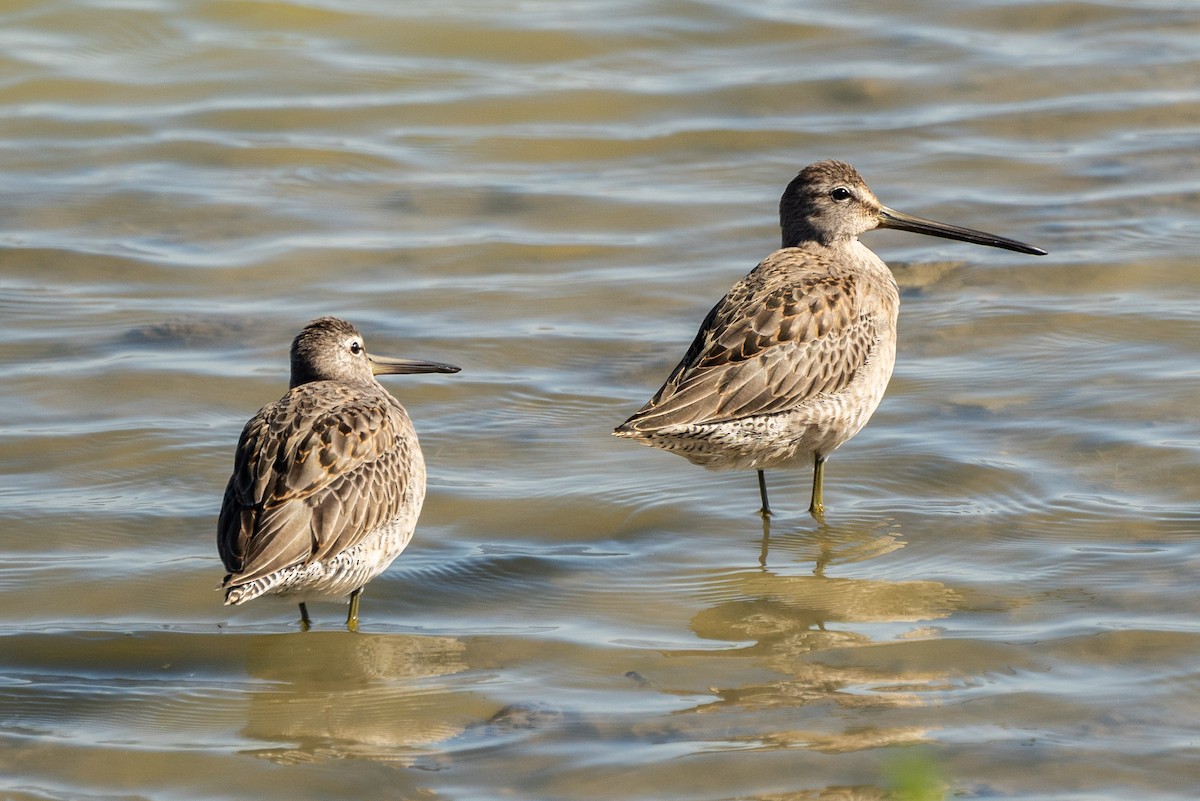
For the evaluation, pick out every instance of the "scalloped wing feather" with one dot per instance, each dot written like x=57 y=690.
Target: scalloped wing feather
x=790 y=330
x=314 y=473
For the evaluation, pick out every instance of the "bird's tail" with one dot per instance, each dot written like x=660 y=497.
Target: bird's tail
x=240 y=593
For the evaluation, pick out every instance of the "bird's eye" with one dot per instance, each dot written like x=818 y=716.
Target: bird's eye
x=840 y=194
x=356 y=348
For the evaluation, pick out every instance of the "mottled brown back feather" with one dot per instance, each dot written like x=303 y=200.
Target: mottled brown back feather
x=795 y=327
x=303 y=470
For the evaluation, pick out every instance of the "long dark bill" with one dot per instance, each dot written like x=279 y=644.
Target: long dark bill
x=890 y=218
x=382 y=365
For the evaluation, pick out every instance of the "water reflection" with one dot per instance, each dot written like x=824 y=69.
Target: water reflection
x=805 y=632
x=852 y=541
x=334 y=695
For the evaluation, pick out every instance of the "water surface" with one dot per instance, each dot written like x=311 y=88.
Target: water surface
x=552 y=195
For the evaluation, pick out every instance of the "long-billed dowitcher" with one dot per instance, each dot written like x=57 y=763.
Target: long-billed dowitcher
x=327 y=481
x=793 y=361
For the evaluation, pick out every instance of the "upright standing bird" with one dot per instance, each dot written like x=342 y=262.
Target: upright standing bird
x=327 y=481
x=793 y=361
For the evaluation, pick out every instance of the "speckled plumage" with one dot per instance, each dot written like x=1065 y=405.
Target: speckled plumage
x=794 y=360
x=328 y=481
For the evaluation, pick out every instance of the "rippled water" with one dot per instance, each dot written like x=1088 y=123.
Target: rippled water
x=552 y=195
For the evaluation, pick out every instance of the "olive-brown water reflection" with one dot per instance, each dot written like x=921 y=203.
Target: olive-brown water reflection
x=790 y=622
x=552 y=195
x=374 y=697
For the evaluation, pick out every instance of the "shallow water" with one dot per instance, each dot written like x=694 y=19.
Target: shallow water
x=552 y=195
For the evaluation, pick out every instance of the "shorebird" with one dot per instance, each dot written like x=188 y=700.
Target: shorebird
x=795 y=358
x=327 y=481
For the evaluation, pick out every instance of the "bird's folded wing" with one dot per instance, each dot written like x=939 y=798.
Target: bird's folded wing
x=314 y=473
x=764 y=350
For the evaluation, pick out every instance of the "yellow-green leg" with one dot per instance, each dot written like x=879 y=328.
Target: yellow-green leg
x=305 y=620
x=765 y=511
x=817 y=507
x=766 y=542
x=352 y=617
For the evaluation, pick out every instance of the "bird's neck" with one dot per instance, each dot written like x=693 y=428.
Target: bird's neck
x=799 y=237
